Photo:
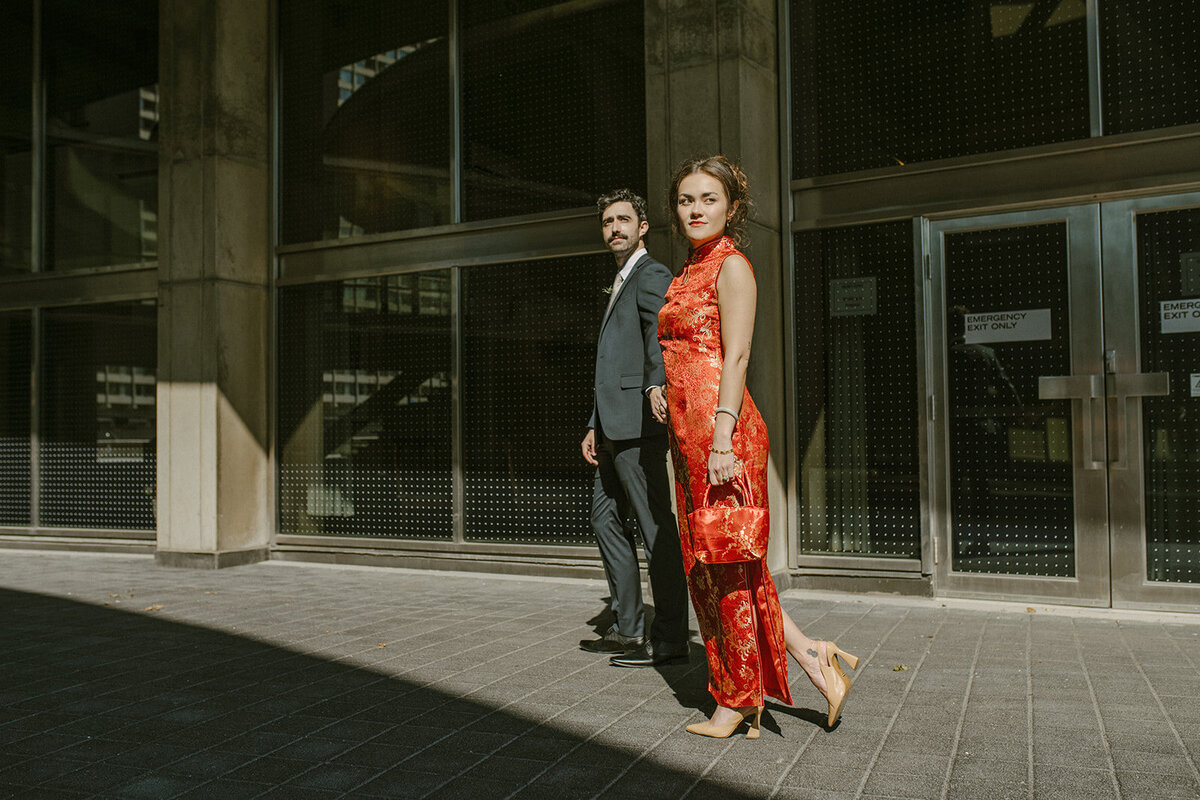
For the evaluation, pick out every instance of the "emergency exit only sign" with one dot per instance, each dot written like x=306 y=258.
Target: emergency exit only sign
x=1025 y=325
x=1179 y=316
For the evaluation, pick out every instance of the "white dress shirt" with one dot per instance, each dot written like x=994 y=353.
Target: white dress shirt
x=628 y=268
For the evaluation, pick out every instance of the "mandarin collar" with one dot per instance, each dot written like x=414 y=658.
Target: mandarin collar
x=700 y=253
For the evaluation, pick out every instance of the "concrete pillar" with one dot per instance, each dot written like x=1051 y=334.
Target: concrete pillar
x=214 y=270
x=712 y=87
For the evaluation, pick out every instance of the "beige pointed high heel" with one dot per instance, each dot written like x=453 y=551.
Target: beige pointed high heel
x=837 y=685
x=707 y=728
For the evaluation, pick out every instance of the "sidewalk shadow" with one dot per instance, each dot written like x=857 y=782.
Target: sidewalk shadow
x=689 y=682
x=604 y=618
x=809 y=715
x=106 y=703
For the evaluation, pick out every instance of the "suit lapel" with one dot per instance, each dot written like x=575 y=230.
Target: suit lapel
x=621 y=292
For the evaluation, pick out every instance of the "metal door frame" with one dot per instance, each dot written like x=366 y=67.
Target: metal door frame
x=1090 y=586
x=1122 y=333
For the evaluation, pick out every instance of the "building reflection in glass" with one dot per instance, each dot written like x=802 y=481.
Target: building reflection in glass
x=365 y=118
x=528 y=360
x=124 y=413
x=365 y=414
x=101 y=133
x=16 y=64
x=97 y=416
x=16 y=353
x=368 y=104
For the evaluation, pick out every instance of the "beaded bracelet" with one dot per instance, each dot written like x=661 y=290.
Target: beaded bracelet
x=721 y=452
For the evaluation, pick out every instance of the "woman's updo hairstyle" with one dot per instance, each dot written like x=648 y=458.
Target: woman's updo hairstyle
x=737 y=189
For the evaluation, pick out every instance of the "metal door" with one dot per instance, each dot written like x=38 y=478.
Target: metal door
x=1151 y=258
x=1064 y=408
x=1018 y=488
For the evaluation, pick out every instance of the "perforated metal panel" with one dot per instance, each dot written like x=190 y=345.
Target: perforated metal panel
x=16 y=92
x=365 y=128
x=529 y=349
x=856 y=368
x=553 y=104
x=364 y=407
x=883 y=83
x=1168 y=253
x=98 y=416
x=1011 y=471
x=102 y=115
x=1150 y=64
x=15 y=365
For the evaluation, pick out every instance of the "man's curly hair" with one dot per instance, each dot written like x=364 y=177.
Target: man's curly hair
x=622 y=196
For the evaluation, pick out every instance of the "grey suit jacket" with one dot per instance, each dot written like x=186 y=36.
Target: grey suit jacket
x=628 y=357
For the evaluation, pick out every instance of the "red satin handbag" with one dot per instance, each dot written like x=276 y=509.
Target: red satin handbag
x=730 y=534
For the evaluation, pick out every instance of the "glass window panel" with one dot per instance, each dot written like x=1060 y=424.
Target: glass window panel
x=1150 y=64
x=553 y=104
x=364 y=409
x=1168 y=253
x=98 y=416
x=856 y=371
x=16 y=92
x=101 y=132
x=529 y=349
x=364 y=117
x=880 y=83
x=15 y=368
x=1012 y=499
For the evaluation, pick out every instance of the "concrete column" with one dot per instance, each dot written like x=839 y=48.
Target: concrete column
x=214 y=270
x=712 y=87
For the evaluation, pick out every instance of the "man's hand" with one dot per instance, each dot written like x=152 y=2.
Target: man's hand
x=589 y=448
x=658 y=404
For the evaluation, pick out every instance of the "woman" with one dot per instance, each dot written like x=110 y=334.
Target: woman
x=705 y=328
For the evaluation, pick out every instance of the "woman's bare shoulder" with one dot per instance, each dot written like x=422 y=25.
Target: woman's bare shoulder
x=737 y=267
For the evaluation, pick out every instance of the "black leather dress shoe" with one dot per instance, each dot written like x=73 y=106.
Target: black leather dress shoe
x=655 y=655
x=612 y=642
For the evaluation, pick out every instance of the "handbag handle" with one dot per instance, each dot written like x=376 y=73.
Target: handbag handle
x=739 y=482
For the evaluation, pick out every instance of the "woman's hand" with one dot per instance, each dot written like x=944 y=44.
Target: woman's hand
x=722 y=467
x=658 y=404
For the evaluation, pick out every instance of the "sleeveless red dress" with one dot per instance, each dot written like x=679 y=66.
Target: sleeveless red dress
x=736 y=604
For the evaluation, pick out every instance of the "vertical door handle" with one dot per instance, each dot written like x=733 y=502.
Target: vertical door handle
x=1118 y=389
x=1086 y=390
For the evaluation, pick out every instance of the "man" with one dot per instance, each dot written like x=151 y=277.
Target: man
x=628 y=447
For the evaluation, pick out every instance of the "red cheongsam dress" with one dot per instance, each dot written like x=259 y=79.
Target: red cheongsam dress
x=736 y=604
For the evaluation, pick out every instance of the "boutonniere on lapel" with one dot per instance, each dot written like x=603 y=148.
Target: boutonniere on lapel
x=607 y=290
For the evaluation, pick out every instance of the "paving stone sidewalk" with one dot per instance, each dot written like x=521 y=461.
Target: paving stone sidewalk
x=119 y=679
